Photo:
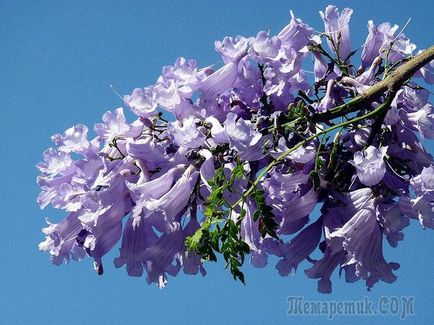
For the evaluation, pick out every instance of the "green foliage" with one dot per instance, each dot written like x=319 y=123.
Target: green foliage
x=264 y=215
x=219 y=233
x=314 y=177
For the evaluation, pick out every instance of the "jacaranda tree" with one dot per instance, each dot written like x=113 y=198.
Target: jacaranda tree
x=231 y=161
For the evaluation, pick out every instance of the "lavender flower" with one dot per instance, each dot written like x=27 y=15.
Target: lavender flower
x=73 y=140
x=265 y=46
x=328 y=101
x=142 y=101
x=61 y=241
x=233 y=160
x=232 y=50
x=296 y=34
x=370 y=165
x=422 y=120
x=337 y=28
x=244 y=138
x=299 y=248
x=115 y=125
x=185 y=133
x=427 y=72
x=384 y=41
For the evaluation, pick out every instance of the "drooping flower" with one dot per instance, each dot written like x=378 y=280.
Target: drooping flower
x=61 y=241
x=427 y=72
x=296 y=34
x=73 y=139
x=142 y=101
x=250 y=234
x=265 y=46
x=218 y=83
x=135 y=241
x=422 y=120
x=243 y=153
x=162 y=210
x=292 y=198
x=184 y=73
x=55 y=162
x=232 y=50
x=329 y=100
x=338 y=31
x=385 y=42
x=370 y=165
x=247 y=141
x=299 y=248
x=147 y=190
x=158 y=258
x=185 y=133
x=115 y=125
x=323 y=269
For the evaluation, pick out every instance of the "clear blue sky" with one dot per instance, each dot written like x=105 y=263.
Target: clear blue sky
x=57 y=60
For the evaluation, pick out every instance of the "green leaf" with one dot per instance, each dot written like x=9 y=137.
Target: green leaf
x=256 y=215
x=314 y=176
x=193 y=242
x=238 y=171
x=233 y=229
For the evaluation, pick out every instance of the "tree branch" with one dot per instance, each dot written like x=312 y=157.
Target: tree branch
x=391 y=83
x=384 y=106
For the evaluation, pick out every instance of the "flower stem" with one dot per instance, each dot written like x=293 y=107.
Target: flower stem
x=265 y=170
x=392 y=82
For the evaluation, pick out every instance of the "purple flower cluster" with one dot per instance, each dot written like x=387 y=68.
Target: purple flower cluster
x=148 y=184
